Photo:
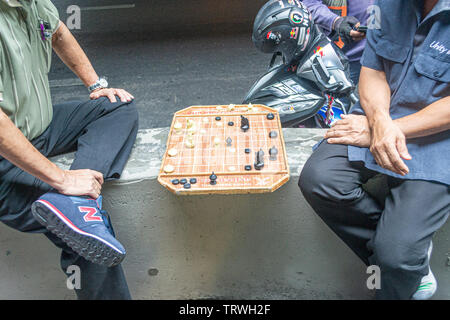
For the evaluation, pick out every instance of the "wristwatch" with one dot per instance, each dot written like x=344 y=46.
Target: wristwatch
x=101 y=83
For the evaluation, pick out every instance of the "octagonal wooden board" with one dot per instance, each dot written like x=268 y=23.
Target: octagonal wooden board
x=211 y=153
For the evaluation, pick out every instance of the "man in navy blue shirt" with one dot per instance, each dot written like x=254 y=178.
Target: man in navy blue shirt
x=401 y=130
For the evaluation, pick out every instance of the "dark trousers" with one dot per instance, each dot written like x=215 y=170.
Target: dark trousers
x=103 y=134
x=394 y=235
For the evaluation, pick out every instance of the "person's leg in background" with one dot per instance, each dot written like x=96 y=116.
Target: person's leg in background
x=104 y=134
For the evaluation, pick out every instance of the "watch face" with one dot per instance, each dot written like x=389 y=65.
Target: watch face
x=103 y=83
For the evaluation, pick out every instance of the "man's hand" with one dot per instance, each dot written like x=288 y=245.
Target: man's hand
x=351 y=130
x=81 y=183
x=111 y=93
x=388 y=146
x=344 y=26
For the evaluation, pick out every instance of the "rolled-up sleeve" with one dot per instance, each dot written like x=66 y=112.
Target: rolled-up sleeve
x=323 y=16
x=370 y=59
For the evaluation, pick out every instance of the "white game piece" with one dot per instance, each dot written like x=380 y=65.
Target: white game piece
x=169 y=168
x=231 y=107
x=244 y=109
x=190 y=123
x=189 y=143
x=216 y=141
x=192 y=130
x=177 y=126
x=219 y=124
x=172 y=152
x=250 y=107
x=232 y=168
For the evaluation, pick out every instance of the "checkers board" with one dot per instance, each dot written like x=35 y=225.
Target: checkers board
x=207 y=140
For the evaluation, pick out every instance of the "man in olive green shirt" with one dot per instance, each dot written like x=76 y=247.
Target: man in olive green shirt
x=35 y=194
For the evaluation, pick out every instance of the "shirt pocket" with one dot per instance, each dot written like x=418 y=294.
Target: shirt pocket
x=433 y=77
x=394 y=56
x=44 y=45
x=433 y=68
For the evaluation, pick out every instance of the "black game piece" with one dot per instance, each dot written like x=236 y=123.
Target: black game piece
x=175 y=182
x=218 y=118
x=193 y=181
x=213 y=179
x=270 y=116
x=248 y=150
x=231 y=123
x=229 y=142
x=187 y=186
x=248 y=168
x=183 y=181
x=273 y=153
x=273 y=134
x=259 y=164
x=245 y=124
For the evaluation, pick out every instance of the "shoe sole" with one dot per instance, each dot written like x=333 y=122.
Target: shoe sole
x=85 y=244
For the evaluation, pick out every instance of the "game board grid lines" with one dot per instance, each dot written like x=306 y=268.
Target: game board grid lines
x=186 y=153
x=191 y=162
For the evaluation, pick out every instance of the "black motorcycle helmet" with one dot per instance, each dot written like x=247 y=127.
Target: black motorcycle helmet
x=283 y=27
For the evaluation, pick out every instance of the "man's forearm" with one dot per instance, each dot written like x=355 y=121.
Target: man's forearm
x=431 y=120
x=15 y=147
x=70 y=52
x=375 y=95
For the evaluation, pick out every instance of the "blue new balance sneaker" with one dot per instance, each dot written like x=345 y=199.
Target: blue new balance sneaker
x=82 y=224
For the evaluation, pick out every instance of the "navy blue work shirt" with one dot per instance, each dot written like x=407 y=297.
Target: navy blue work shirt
x=415 y=55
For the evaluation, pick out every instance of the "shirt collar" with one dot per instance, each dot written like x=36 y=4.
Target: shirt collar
x=12 y=3
x=441 y=6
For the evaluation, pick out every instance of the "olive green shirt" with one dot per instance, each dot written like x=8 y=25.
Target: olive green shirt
x=25 y=58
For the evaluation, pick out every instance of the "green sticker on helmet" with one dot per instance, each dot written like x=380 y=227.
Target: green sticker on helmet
x=296 y=17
